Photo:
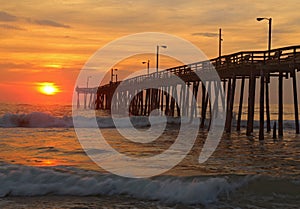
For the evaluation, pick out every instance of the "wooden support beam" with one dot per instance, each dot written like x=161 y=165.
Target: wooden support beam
x=238 y=125
x=109 y=100
x=136 y=101
x=146 y=110
x=78 y=103
x=141 y=102
x=178 y=110
x=208 y=102
x=295 y=102
x=192 y=104
x=94 y=100
x=183 y=106
x=180 y=101
x=280 y=105
x=227 y=104
x=268 y=104
x=187 y=99
x=216 y=98
x=176 y=101
x=106 y=102
x=150 y=102
x=167 y=100
x=195 y=95
x=229 y=114
x=153 y=99
x=115 y=103
x=84 y=98
x=251 y=103
x=223 y=93
x=156 y=96
x=228 y=94
x=261 y=105
x=172 y=105
x=203 y=106
x=99 y=101
x=162 y=99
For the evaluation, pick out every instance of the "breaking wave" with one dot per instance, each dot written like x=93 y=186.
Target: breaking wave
x=18 y=180
x=46 y=120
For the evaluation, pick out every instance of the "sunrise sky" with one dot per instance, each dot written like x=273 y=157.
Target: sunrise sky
x=49 y=41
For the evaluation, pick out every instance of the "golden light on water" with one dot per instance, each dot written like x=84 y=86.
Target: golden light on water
x=48 y=88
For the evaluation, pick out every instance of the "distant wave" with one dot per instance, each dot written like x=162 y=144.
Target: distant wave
x=45 y=120
x=34 y=120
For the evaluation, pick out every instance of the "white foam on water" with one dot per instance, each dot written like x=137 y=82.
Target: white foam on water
x=45 y=120
x=34 y=120
x=17 y=180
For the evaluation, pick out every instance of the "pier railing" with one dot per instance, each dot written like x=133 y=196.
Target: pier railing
x=286 y=57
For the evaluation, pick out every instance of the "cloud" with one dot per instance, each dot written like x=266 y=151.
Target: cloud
x=10 y=66
x=206 y=34
x=6 y=17
x=51 y=23
x=11 y=27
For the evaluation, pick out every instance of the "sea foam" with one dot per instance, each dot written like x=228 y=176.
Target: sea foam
x=18 y=180
x=45 y=120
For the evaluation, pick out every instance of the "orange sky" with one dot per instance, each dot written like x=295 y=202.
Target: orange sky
x=49 y=41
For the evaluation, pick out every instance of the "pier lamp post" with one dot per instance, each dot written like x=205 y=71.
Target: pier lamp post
x=220 y=42
x=270 y=31
x=148 y=63
x=87 y=81
x=112 y=75
x=267 y=85
x=157 y=55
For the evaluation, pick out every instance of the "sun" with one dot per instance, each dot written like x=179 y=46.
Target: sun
x=48 y=88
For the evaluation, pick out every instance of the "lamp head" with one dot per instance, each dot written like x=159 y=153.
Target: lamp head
x=163 y=46
x=144 y=62
x=260 y=18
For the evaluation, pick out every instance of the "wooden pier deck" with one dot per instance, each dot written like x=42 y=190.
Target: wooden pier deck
x=251 y=66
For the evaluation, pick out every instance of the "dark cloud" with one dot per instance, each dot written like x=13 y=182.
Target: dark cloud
x=10 y=66
x=206 y=34
x=51 y=23
x=11 y=27
x=6 y=17
x=283 y=30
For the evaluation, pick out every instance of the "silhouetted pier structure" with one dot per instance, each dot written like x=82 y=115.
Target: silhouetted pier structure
x=89 y=97
x=250 y=66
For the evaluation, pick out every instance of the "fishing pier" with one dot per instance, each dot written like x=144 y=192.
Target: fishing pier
x=255 y=68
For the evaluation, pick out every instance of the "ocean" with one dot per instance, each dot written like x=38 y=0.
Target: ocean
x=43 y=165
